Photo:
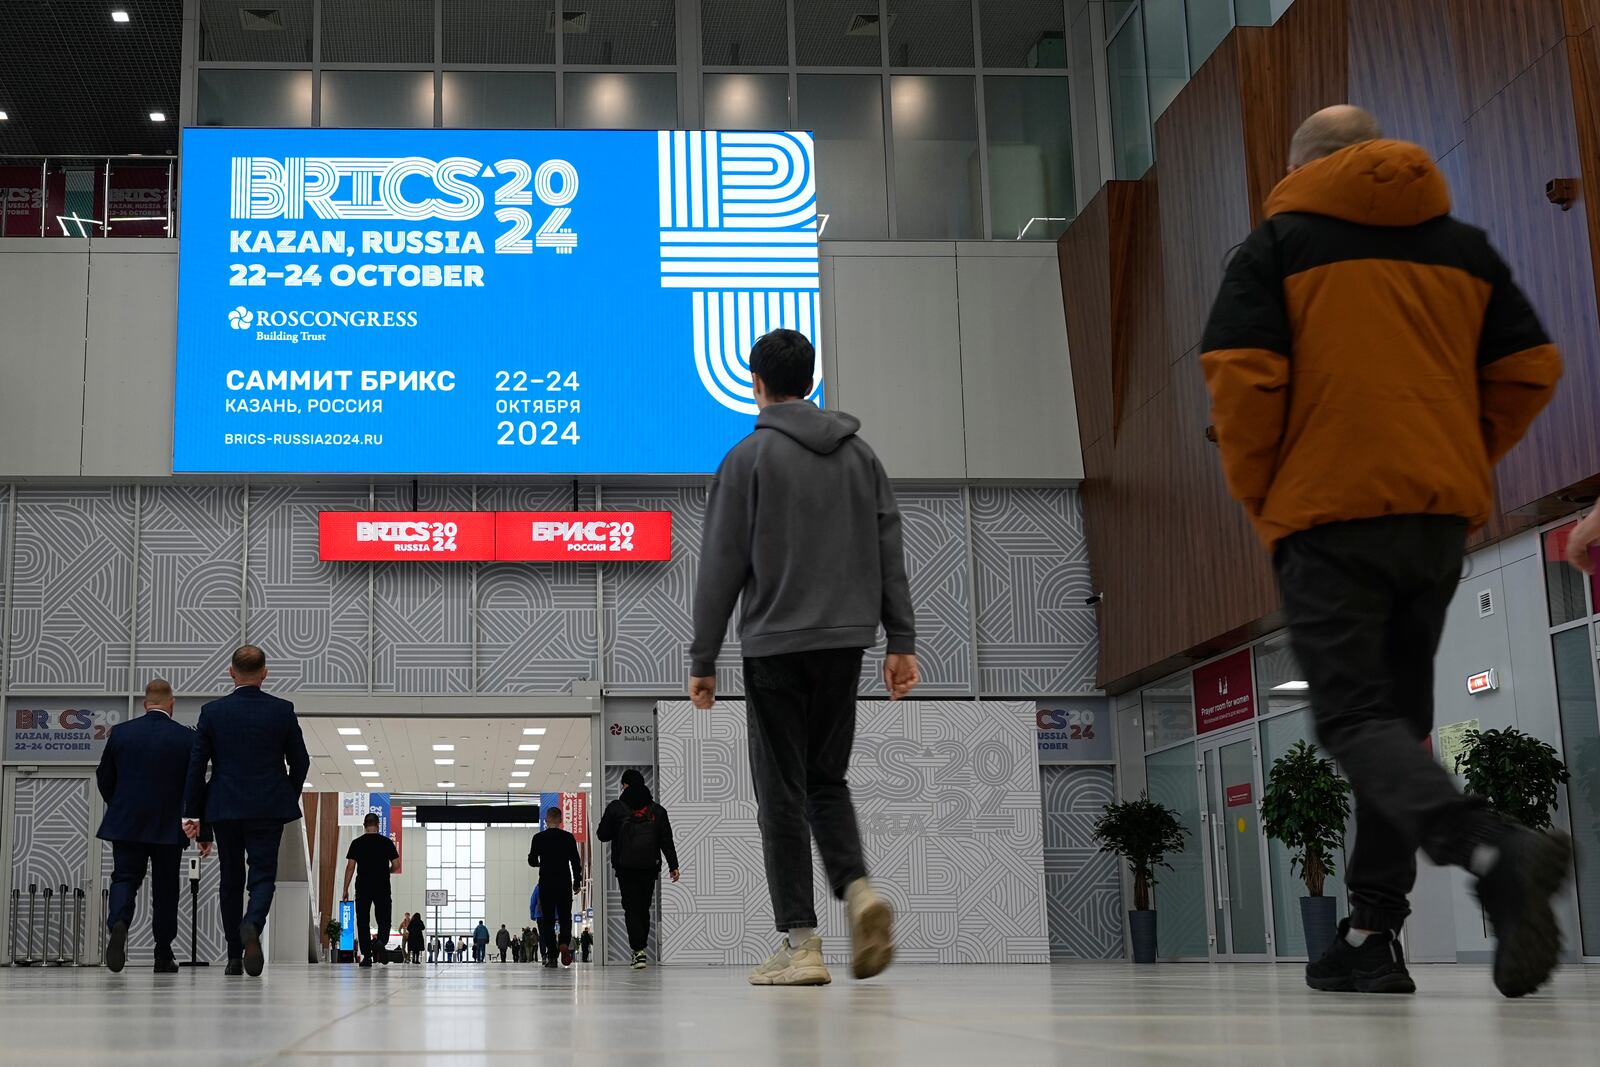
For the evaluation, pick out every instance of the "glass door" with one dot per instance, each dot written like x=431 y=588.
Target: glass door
x=1236 y=870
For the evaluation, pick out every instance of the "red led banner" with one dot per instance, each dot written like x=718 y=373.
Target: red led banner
x=491 y=535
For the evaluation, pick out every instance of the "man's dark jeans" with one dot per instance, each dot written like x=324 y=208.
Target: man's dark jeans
x=801 y=710
x=555 y=920
x=638 y=900
x=368 y=901
x=1366 y=603
x=252 y=842
x=128 y=861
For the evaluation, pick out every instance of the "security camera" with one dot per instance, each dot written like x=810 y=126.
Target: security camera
x=1093 y=599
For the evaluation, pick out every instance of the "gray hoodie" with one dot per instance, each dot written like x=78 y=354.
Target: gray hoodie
x=802 y=521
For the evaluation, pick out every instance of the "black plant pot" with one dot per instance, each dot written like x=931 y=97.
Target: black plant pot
x=1142 y=925
x=1320 y=920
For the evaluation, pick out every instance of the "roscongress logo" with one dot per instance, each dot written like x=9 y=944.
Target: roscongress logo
x=295 y=318
x=241 y=318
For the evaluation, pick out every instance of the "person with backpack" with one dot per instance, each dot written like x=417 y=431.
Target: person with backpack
x=640 y=834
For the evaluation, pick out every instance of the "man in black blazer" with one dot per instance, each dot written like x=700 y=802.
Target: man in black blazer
x=141 y=779
x=253 y=745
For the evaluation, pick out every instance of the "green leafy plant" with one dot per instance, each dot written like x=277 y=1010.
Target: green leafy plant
x=1143 y=833
x=1306 y=807
x=1516 y=773
x=331 y=929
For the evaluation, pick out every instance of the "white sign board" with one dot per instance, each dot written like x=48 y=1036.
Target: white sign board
x=438 y=898
x=353 y=808
x=630 y=737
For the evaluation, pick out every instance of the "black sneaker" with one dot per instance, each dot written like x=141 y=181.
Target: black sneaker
x=1515 y=895
x=1378 y=966
x=117 y=948
x=235 y=969
x=366 y=961
x=166 y=962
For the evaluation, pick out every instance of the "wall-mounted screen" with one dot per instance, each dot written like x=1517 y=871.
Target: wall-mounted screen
x=483 y=301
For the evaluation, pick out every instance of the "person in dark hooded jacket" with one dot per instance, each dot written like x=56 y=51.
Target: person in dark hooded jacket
x=640 y=834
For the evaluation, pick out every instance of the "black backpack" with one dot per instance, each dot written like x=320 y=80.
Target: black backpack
x=638 y=844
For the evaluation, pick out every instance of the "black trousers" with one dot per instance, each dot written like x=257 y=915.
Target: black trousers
x=638 y=900
x=368 y=901
x=555 y=920
x=246 y=844
x=128 y=862
x=1366 y=604
x=801 y=711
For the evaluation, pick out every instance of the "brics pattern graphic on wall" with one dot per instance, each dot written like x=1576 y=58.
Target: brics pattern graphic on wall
x=477 y=301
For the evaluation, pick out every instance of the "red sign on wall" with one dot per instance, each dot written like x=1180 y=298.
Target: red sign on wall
x=1238 y=796
x=564 y=535
x=495 y=535
x=1224 y=693
x=382 y=535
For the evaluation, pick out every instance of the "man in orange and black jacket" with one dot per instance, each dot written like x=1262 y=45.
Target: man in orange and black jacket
x=1370 y=359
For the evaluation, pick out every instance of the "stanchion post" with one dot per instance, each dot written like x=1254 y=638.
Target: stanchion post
x=105 y=909
x=62 y=959
x=33 y=900
x=11 y=926
x=44 y=954
x=79 y=904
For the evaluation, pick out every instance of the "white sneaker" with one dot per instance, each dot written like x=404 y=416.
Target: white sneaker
x=871 y=929
x=794 y=965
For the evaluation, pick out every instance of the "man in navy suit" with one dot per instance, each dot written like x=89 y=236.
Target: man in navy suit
x=252 y=743
x=141 y=778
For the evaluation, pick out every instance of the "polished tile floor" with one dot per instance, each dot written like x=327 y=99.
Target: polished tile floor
x=969 y=1016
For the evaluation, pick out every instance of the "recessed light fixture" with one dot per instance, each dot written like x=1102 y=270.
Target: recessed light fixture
x=585 y=785
x=369 y=774
x=524 y=763
x=516 y=785
x=445 y=785
x=444 y=748
x=355 y=748
x=443 y=762
x=363 y=762
x=527 y=748
x=158 y=116
x=1291 y=687
x=119 y=16
x=307 y=787
x=520 y=774
x=3 y=116
x=349 y=731
x=376 y=785
x=533 y=731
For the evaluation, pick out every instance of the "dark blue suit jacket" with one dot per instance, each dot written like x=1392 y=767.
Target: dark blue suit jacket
x=252 y=742
x=141 y=778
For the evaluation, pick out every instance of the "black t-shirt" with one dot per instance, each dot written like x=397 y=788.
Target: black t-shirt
x=373 y=853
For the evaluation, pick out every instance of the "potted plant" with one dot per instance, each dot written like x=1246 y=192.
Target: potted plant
x=1519 y=775
x=331 y=929
x=1306 y=807
x=1143 y=833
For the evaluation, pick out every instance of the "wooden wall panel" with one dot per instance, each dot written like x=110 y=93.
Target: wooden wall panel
x=1403 y=69
x=1139 y=300
x=1495 y=41
x=1519 y=140
x=1084 y=254
x=328 y=858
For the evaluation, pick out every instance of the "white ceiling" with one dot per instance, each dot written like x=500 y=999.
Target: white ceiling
x=486 y=751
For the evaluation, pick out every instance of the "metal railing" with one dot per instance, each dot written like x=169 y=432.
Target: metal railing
x=88 y=196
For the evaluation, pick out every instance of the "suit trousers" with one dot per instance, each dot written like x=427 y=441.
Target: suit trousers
x=128 y=862
x=247 y=845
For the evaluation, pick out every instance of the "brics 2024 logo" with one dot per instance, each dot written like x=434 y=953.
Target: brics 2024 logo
x=241 y=318
x=739 y=234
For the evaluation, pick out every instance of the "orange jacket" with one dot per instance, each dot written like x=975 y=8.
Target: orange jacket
x=1369 y=354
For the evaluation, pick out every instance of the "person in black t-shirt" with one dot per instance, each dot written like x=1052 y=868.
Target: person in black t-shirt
x=555 y=852
x=370 y=861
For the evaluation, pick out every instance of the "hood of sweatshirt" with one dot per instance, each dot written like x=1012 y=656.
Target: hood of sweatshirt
x=820 y=431
x=637 y=796
x=1375 y=183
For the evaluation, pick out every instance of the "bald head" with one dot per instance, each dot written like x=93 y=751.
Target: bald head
x=1329 y=131
x=158 y=694
x=248 y=666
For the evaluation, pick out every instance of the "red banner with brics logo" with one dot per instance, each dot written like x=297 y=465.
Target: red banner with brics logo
x=523 y=536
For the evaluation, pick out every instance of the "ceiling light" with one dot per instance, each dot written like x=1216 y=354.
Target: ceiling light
x=158 y=116
x=119 y=16
x=516 y=785
x=3 y=116
x=369 y=774
x=355 y=748
x=527 y=748
x=349 y=731
x=445 y=785
x=306 y=787
x=524 y=763
x=363 y=762
x=376 y=785
x=443 y=762
x=585 y=785
x=520 y=774
x=533 y=731
x=444 y=748
x=1293 y=686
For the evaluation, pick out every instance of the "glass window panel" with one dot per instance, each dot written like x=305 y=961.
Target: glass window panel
x=1130 y=106
x=1115 y=9
x=936 y=164
x=1563 y=584
x=930 y=33
x=747 y=101
x=1277 y=737
x=498 y=99
x=1259 y=12
x=837 y=33
x=744 y=33
x=620 y=32
x=136 y=204
x=279 y=32
x=21 y=197
x=479 y=844
x=1180 y=896
x=1279 y=678
x=477 y=884
x=377 y=31
x=845 y=112
x=498 y=31
x=1209 y=23
x=1168 y=712
x=1030 y=155
x=377 y=98
x=1580 y=737
x=1166 y=52
x=621 y=101
x=254 y=98
x=1023 y=33
x=74 y=198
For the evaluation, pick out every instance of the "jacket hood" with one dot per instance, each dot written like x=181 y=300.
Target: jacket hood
x=821 y=431
x=1375 y=183
x=637 y=796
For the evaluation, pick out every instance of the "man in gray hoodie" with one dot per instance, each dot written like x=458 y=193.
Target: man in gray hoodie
x=802 y=522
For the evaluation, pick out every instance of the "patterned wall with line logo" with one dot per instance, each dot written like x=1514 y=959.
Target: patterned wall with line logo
x=204 y=922
x=949 y=801
x=1083 y=886
x=50 y=848
x=187 y=612
x=422 y=612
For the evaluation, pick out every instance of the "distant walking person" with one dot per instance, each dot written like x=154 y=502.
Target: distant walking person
x=1370 y=359
x=555 y=852
x=803 y=523
x=433 y=950
x=416 y=937
x=370 y=859
x=253 y=745
x=586 y=941
x=480 y=943
x=502 y=941
x=141 y=778
x=640 y=834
